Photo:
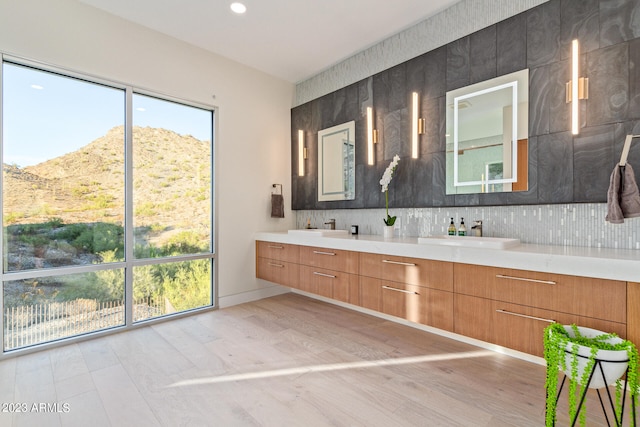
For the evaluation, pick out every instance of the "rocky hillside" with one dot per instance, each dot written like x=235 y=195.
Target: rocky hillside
x=171 y=183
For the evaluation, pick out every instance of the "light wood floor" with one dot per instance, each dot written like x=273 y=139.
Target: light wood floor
x=282 y=361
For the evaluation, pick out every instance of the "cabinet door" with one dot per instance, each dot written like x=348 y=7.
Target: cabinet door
x=370 y=293
x=279 y=251
x=331 y=259
x=474 y=317
x=280 y=272
x=413 y=271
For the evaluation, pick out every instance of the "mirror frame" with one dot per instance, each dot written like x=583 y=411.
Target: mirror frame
x=519 y=83
x=337 y=167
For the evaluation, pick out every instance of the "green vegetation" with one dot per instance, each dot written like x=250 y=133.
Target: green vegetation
x=183 y=284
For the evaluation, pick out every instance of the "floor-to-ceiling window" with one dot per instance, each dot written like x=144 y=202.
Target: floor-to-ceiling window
x=107 y=205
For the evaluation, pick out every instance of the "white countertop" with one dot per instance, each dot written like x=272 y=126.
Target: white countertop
x=604 y=263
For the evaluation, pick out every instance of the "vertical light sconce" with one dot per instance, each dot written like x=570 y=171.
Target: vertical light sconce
x=577 y=88
x=417 y=124
x=302 y=153
x=372 y=137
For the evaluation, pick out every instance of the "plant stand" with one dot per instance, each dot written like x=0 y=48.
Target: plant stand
x=598 y=367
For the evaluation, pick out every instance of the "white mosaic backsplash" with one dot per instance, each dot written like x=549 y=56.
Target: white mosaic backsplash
x=564 y=225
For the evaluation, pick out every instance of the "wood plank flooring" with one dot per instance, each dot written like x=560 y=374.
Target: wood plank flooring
x=282 y=361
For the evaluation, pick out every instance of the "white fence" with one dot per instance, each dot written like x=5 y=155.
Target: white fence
x=34 y=324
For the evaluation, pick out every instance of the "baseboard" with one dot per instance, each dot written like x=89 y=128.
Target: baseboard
x=258 y=294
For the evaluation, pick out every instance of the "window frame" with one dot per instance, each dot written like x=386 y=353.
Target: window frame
x=129 y=262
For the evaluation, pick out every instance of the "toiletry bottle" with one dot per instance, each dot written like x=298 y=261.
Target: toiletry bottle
x=452 y=228
x=308 y=223
x=462 y=230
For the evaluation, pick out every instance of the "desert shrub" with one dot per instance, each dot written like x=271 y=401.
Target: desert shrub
x=100 y=237
x=188 y=284
x=185 y=242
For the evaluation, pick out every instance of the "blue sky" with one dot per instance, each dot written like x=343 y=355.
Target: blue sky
x=46 y=115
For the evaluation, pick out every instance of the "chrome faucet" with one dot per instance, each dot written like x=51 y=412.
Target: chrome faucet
x=332 y=223
x=476 y=229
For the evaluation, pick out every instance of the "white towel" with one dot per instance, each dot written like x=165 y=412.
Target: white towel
x=623 y=197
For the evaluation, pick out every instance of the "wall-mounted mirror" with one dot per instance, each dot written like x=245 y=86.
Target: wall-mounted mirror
x=487 y=135
x=336 y=162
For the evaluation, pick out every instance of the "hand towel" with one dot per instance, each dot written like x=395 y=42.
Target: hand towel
x=623 y=197
x=277 y=206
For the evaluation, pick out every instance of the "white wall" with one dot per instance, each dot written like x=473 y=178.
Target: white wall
x=253 y=140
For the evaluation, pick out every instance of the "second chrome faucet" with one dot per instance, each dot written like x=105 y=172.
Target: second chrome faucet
x=332 y=223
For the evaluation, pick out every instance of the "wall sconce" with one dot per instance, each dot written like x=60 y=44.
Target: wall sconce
x=302 y=152
x=577 y=88
x=372 y=137
x=417 y=124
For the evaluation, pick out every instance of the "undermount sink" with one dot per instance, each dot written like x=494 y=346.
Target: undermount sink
x=320 y=232
x=470 y=241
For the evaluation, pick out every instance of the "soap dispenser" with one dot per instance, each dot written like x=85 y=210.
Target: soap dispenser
x=462 y=230
x=451 y=231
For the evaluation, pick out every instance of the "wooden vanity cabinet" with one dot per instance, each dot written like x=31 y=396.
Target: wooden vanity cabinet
x=502 y=306
x=511 y=308
x=278 y=263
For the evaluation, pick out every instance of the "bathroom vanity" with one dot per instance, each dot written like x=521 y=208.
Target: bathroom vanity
x=500 y=296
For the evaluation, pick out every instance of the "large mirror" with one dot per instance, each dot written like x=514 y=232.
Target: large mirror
x=336 y=162
x=487 y=135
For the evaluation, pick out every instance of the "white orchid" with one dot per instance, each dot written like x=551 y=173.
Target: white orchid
x=384 y=182
x=388 y=173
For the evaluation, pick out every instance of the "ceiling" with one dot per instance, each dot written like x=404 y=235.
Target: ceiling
x=289 y=39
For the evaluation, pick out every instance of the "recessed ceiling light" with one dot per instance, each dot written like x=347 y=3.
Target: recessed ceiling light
x=238 y=8
x=37 y=87
x=141 y=109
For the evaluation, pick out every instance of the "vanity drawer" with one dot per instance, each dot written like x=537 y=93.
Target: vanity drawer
x=337 y=285
x=413 y=271
x=280 y=272
x=583 y=296
x=331 y=259
x=516 y=326
x=279 y=251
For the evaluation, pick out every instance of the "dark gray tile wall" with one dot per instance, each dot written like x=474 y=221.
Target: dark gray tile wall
x=563 y=168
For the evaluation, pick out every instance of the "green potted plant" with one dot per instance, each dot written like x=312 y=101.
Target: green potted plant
x=575 y=350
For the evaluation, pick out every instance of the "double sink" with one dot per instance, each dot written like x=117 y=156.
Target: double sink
x=462 y=241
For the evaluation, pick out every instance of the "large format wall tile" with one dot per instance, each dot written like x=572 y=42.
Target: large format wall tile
x=543 y=34
x=592 y=163
x=608 y=72
x=555 y=168
x=634 y=79
x=511 y=44
x=482 y=55
x=580 y=20
x=618 y=21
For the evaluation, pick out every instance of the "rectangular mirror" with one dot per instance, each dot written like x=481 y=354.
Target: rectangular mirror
x=336 y=162
x=487 y=135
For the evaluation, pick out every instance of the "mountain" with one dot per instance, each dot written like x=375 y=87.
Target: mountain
x=171 y=183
